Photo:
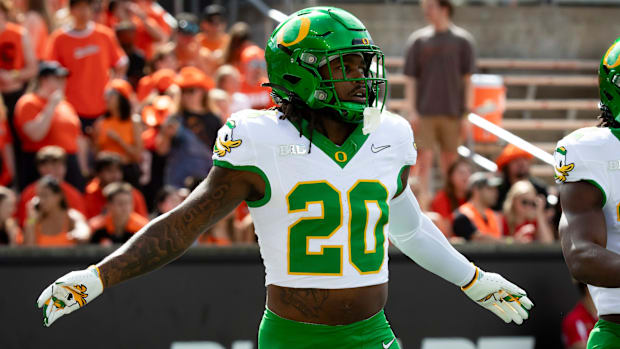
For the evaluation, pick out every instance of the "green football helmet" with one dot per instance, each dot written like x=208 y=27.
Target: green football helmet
x=311 y=38
x=609 y=80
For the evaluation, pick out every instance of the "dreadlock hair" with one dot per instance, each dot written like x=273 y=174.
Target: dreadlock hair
x=606 y=119
x=297 y=110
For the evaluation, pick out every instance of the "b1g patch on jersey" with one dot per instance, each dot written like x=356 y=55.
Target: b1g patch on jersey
x=226 y=139
x=562 y=167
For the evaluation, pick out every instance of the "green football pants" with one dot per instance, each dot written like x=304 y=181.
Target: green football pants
x=276 y=332
x=604 y=335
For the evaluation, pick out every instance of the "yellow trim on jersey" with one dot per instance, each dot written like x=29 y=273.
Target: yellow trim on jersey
x=366 y=226
x=288 y=239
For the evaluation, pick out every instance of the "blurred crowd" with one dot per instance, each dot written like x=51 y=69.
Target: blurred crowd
x=109 y=113
x=110 y=110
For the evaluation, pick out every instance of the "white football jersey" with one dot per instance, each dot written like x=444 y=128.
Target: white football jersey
x=592 y=154
x=323 y=221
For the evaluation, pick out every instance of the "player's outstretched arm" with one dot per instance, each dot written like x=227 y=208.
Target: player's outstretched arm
x=418 y=238
x=157 y=244
x=583 y=235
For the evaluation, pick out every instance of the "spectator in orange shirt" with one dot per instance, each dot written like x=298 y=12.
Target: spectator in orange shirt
x=108 y=169
x=147 y=30
x=119 y=131
x=10 y=234
x=194 y=105
x=51 y=161
x=44 y=118
x=249 y=59
x=213 y=27
x=51 y=222
x=120 y=222
x=38 y=22
x=188 y=50
x=7 y=162
x=17 y=66
x=89 y=51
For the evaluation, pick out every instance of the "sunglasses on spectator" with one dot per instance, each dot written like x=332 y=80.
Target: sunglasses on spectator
x=526 y=202
x=189 y=90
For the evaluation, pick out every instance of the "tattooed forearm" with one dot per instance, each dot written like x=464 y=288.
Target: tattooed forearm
x=168 y=236
x=309 y=301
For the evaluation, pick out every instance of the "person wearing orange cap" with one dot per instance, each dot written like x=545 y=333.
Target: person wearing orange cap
x=119 y=131
x=514 y=165
x=157 y=83
x=44 y=118
x=187 y=137
x=154 y=163
x=194 y=105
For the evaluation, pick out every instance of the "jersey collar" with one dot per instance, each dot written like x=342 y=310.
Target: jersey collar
x=341 y=155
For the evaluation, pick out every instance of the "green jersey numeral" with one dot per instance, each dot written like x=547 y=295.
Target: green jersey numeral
x=366 y=259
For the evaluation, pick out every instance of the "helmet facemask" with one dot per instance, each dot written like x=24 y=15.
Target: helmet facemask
x=372 y=80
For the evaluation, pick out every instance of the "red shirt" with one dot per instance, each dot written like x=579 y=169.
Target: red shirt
x=65 y=127
x=576 y=325
x=74 y=198
x=95 y=201
x=441 y=204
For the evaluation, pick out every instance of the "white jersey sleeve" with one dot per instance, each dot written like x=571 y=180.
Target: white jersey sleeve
x=233 y=146
x=406 y=145
x=578 y=158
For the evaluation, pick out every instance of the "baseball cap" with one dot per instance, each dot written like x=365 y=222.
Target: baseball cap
x=121 y=86
x=47 y=68
x=213 y=10
x=194 y=77
x=187 y=23
x=483 y=179
x=509 y=153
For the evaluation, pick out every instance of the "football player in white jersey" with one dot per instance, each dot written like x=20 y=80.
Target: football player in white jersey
x=322 y=175
x=588 y=166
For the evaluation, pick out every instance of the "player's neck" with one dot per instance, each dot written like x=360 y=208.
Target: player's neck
x=336 y=131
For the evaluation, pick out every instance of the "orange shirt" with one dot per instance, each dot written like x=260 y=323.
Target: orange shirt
x=124 y=128
x=65 y=127
x=490 y=226
x=74 y=198
x=88 y=55
x=59 y=240
x=95 y=201
x=212 y=43
x=103 y=230
x=11 y=47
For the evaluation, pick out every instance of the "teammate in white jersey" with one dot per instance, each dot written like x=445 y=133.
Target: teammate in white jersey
x=588 y=166
x=325 y=177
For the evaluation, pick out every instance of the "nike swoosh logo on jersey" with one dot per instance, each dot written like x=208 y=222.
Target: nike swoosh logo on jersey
x=379 y=148
x=389 y=344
